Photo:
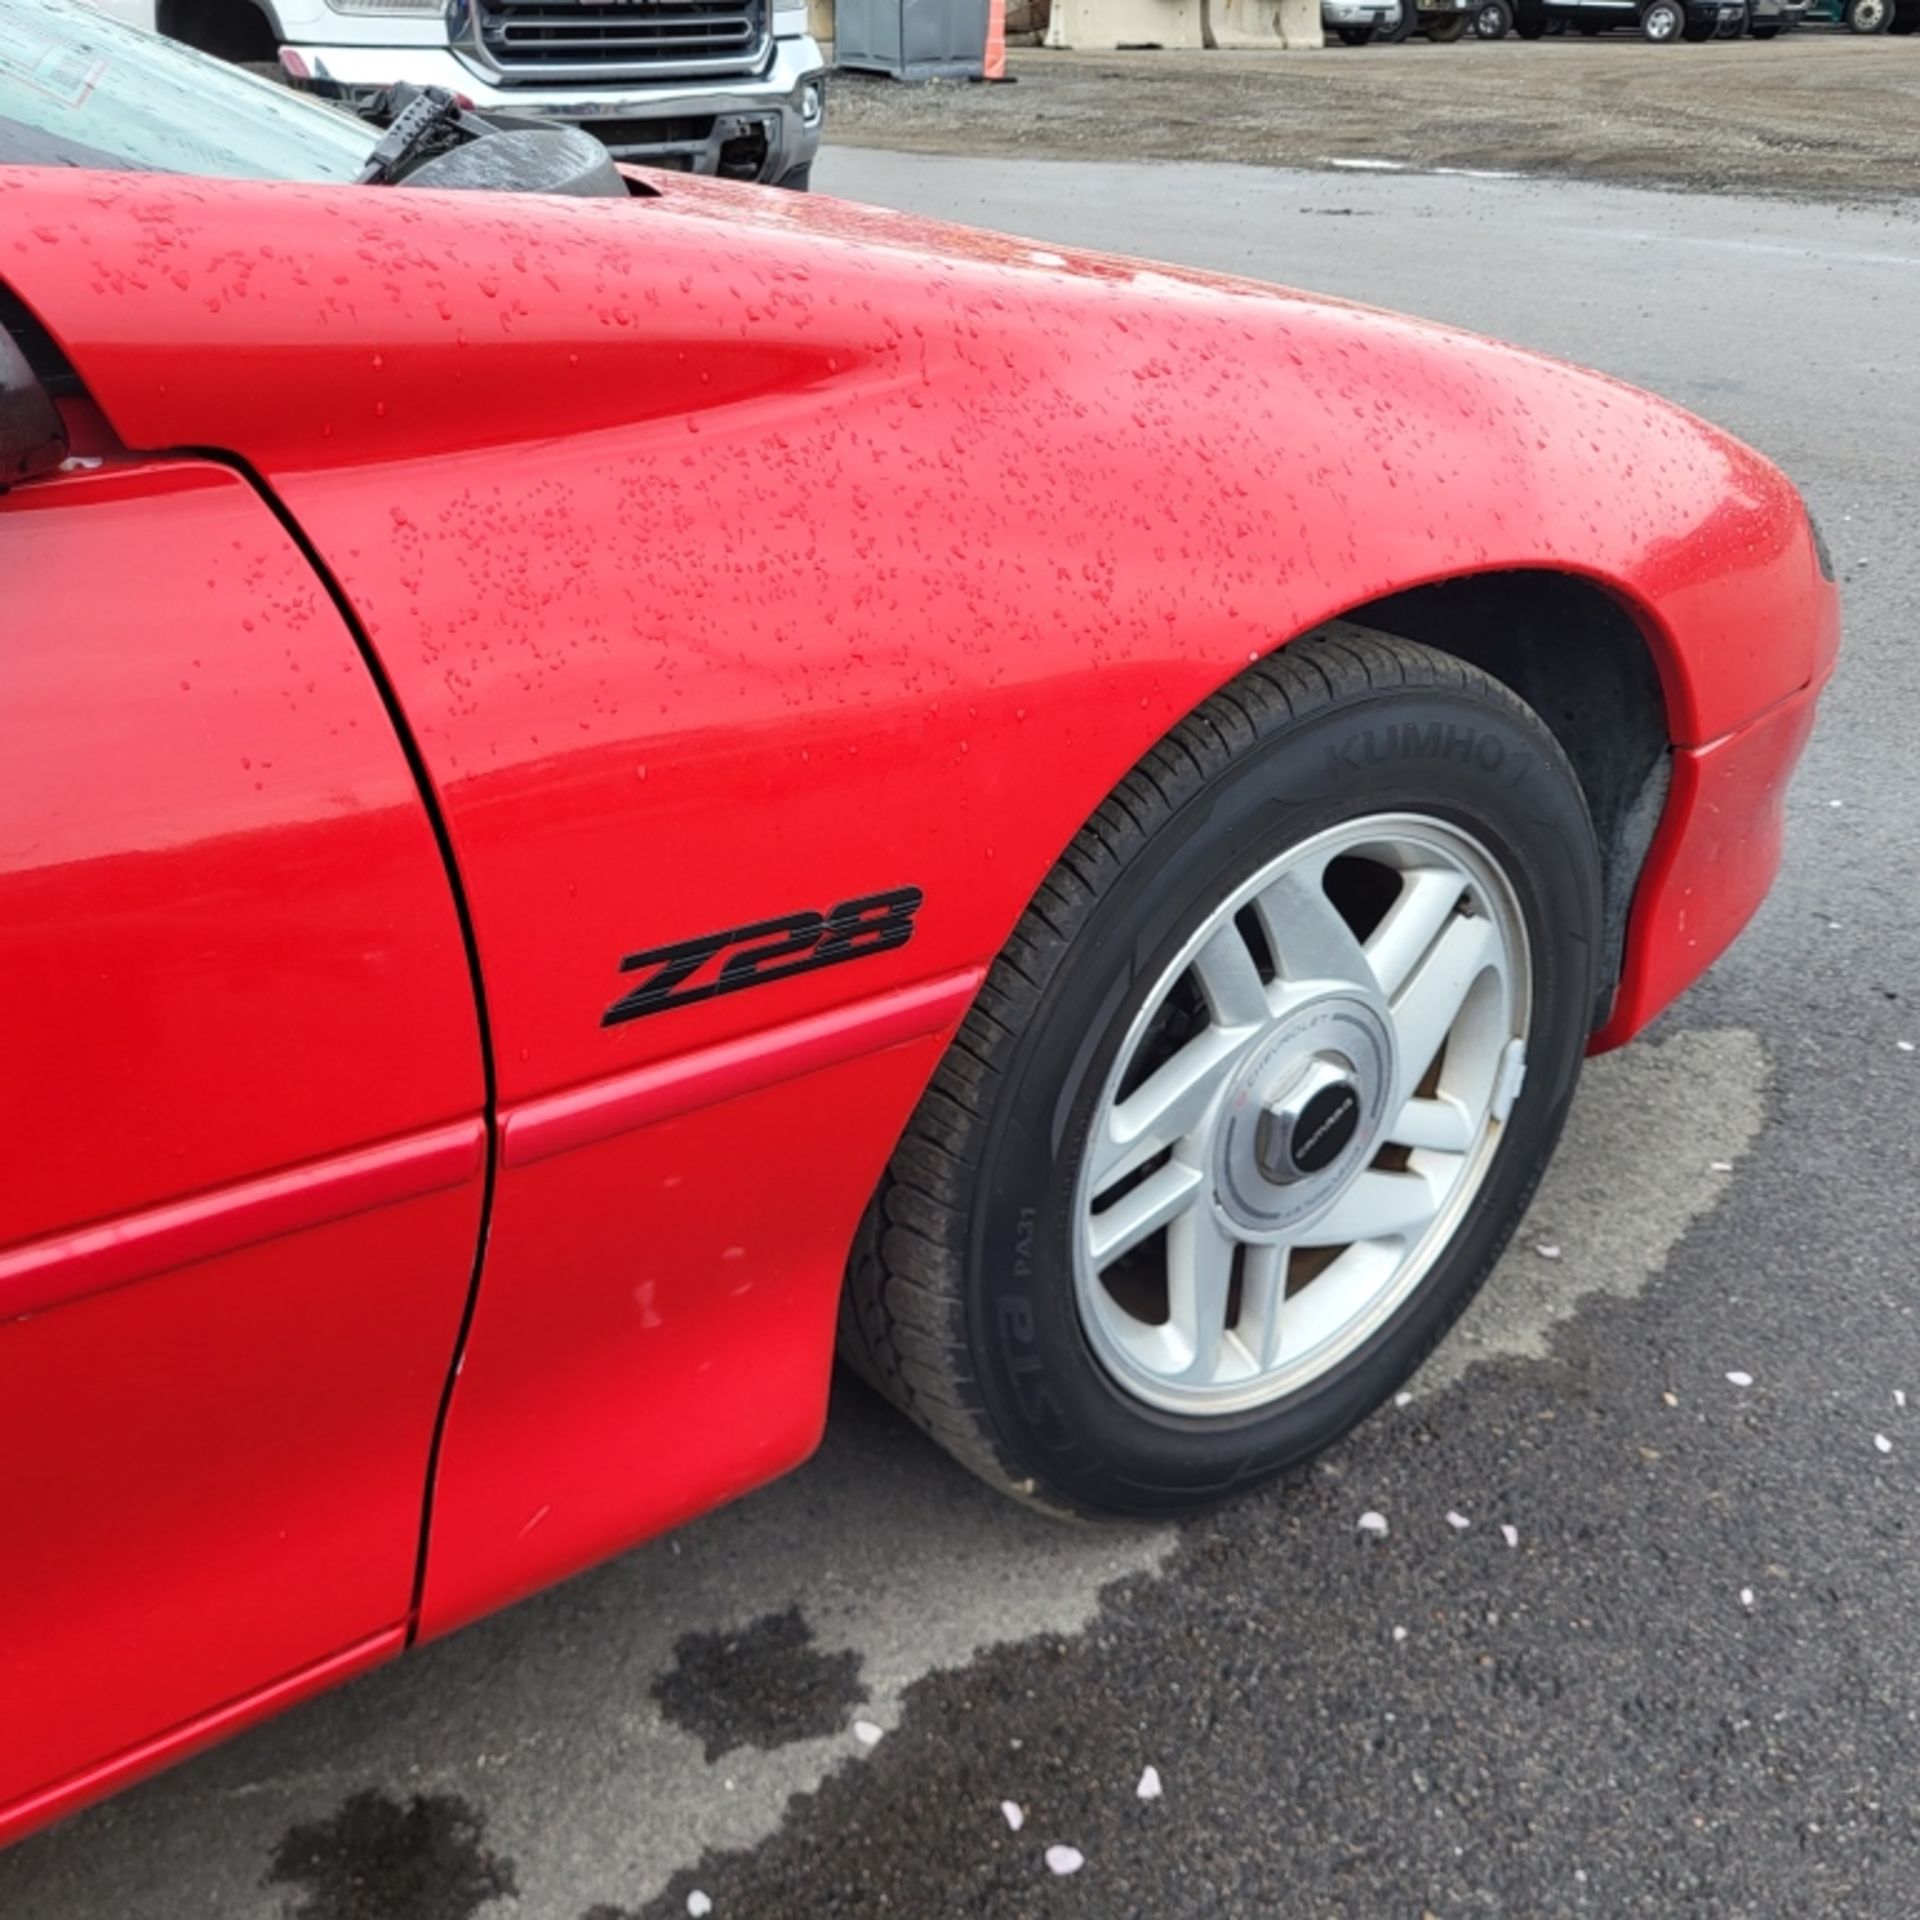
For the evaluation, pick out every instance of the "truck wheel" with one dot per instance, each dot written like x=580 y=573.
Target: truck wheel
x=1869 y=16
x=1763 y=33
x=1529 y=29
x=1445 y=28
x=800 y=180
x=1662 y=21
x=1253 y=1096
x=1697 y=31
x=1494 y=21
x=1400 y=28
x=1354 y=36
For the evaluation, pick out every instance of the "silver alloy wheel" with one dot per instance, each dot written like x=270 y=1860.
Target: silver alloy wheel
x=1300 y=1114
x=1663 y=24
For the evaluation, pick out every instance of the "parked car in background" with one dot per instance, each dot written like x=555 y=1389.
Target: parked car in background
x=1354 y=22
x=1440 y=21
x=1768 y=19
x=1659 y=21
x=1866 y=16
x=735 y=88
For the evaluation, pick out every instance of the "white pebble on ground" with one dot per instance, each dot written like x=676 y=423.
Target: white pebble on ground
x=1511 y=1535
x=1065 y=1860
x=1149 y=1787
x=866 y=1733
x=1374 y=1523
x=1013 y=1814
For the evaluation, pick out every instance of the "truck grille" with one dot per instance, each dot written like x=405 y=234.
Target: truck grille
x=542 y=40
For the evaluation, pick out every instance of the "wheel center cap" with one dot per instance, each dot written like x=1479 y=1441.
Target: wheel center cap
x=1301 y=1115
x=1309 y=1126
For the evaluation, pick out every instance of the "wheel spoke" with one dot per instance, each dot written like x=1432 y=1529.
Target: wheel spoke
x=1309 y=939
x=1428 y=896
x=1263 y=1289
x=1333 y=1296
x=1199 y=1278
x=1236 y=996
x=1424 y=1010
x=1442 y=1123
x=1378 y=1205
x=1162 y=1111
x=1146 y=1209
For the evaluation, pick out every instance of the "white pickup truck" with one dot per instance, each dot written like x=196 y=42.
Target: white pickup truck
x=729 y=87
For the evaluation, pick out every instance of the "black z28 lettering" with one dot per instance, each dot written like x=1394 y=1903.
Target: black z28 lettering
x=765 y=951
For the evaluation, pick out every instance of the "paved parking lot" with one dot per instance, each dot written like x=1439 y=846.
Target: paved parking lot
x=1692 y=1683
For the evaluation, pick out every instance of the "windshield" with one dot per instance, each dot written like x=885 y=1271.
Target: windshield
x=78 y=89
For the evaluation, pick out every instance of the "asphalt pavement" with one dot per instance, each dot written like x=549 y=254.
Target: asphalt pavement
x=1687 y=1681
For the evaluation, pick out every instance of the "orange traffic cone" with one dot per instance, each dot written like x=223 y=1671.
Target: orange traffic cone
x=993 y=67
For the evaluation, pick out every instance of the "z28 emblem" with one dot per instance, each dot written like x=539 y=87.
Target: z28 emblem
x=767 y=950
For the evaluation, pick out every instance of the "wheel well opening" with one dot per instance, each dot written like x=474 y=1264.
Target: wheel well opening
x=1579 y=659
x=236 y=30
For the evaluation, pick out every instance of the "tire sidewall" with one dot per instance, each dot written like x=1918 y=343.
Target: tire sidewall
x=1497 y=775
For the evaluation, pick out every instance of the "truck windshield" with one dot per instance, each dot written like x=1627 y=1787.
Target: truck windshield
x=77 y=89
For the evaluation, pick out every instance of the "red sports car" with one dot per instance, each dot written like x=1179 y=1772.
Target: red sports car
x=601 y=792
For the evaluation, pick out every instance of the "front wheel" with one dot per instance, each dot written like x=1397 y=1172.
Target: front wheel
x=1662 y=21
x=1494 y=21
x=1445 y=28
x=1400 y=27
x=1354 y=36
x=1253 y=1097
x=1869 y=16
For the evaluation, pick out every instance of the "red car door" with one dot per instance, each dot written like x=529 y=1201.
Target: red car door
x=242 y=1147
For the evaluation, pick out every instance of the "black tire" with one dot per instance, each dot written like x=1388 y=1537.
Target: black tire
x=1354 y=36
x=1494 y=21
x=1696 y=32
x=1662 y=21
x=1400 y=28
x=960 y=1303
x=1763 y=33
x=799 y=180
x=1869 y=16
x=1529 y=29
x=1904 y=22
x=1445 y=28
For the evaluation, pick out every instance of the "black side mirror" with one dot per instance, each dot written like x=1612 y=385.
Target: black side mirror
x=33 y=437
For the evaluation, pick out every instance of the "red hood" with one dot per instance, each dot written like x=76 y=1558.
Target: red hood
x=310 y=328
